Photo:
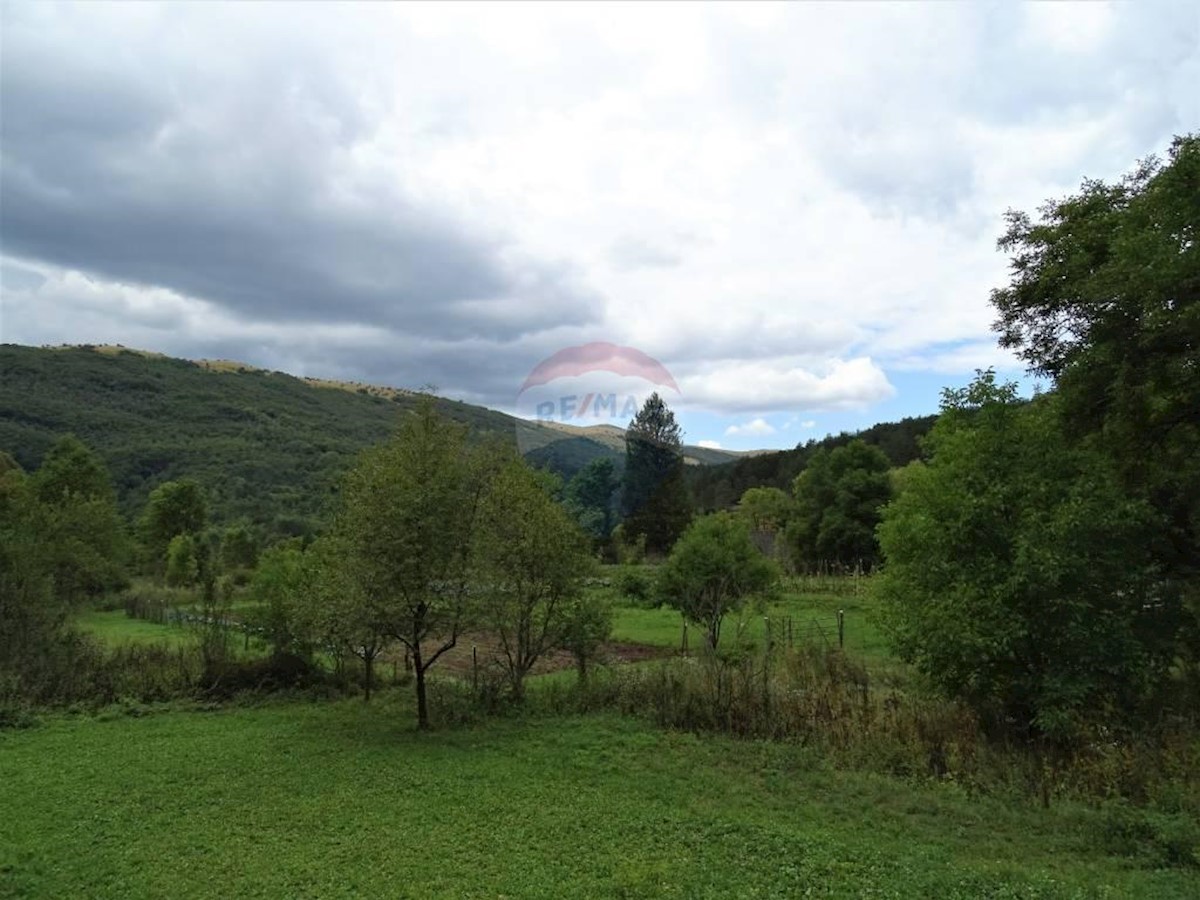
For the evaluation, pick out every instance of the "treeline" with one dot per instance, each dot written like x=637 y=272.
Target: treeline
x=720 y=487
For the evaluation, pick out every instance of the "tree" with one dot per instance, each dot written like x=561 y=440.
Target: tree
x=239 y=547
x=589 y=497
x=654 y=497
x=174 y=508
x=588 y=625
x=1017 y=572
x=713 y=569
x=1104 y=298
x=532 y=561
x=82 y=528
x=838 y=501
x=278 y=584
x=406 y=531
x=183 y=568
x=30 y=614
x=766 y=511
x=332 y=611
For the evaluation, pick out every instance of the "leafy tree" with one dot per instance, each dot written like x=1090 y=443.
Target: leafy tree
x=1104 y=298
x=654 y=496
x=239 y=547
x=589 y=621
x=174 y=508
x=838 y=501
x=332 y=611
x=277 y=585
x=766 y=511
x=1018 y=574
x=30 y=614
x=589 y=497
x=406 y=530
x=183 y=566
x=532 y=561
x=71 y=470
x=83 y=531
x=713 y=569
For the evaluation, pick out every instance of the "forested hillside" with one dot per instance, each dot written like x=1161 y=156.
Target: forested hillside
x=718 y=487
x=266 y=446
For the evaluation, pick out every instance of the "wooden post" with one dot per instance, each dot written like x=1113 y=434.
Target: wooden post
x=474 y=668
x=841 y=628
x=767 y=632
x=684 y=645
x=789 y=633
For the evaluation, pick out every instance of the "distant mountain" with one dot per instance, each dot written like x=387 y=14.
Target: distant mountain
x=267 y=446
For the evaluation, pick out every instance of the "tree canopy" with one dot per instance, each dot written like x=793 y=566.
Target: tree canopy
x=712 y=570
x=1018 y=572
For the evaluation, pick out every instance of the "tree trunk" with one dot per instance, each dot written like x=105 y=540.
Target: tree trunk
x=422 y=701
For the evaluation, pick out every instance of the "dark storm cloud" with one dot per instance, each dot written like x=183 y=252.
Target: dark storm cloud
x=244 y=192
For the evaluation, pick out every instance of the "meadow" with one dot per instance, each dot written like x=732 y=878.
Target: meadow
x=336 y=797
x=343 y=798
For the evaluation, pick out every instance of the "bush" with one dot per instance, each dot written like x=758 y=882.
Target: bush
x=636 y=585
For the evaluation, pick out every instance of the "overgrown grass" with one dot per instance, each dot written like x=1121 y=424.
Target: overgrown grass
x=343 y=798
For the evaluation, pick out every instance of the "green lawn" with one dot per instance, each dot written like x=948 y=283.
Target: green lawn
x=343 y=799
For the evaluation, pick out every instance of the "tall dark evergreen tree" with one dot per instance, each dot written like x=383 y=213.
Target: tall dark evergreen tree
x=655 y=499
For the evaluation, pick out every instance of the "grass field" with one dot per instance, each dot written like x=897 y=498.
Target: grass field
x=113 y=627
x=813 y=615
x=342 y=799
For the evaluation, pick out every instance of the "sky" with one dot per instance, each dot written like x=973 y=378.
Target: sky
x=793 y=208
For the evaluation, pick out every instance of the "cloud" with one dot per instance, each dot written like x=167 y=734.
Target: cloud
x=782 y=384
x=756 y=427
x=709 y=445
x=788 y=205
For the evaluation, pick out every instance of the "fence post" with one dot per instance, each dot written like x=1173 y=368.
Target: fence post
x=841 y=628
x=767 y=633
x=474 y=668
x=684 y=644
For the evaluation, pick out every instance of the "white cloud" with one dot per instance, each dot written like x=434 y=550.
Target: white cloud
x=709 y=445
x=784 y=204
x=757 y=427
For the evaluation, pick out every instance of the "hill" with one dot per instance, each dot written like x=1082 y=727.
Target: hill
x=267 y=446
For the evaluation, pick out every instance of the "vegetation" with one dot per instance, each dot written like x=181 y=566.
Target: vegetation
x=720 y=486
x=1039 y=593
x=713 y=570
x=839 y=497
x=532 y=561
x=276 y=799
x=654 y=495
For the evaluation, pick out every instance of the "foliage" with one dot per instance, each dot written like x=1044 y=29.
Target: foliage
x=589 y=497
x=175 y=508
x=589 y=623
x=531 y=562
x=838 y=501
x=1104 y=298
x=405 y=532
x=80 y=525
x=714 y=569
x=1018 y=576
x=720 y=486
x=183 y=567
x=654 y=496
x=277 y=585
x=264 y=800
